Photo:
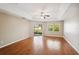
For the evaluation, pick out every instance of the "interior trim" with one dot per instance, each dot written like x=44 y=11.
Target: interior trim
x=72 y=45
x=13 y=42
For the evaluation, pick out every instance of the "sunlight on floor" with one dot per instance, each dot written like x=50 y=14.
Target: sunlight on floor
x=53 y=44
x=38 y=43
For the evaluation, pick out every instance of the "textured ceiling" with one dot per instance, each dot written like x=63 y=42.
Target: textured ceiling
x=32 y=11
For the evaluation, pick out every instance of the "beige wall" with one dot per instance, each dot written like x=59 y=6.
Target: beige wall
x=71 y=26
x=12 y=29
x=45 y=28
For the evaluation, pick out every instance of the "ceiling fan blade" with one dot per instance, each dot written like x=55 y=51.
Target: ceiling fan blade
x=47 y=15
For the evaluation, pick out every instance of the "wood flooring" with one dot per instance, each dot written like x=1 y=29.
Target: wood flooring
x=39 y=45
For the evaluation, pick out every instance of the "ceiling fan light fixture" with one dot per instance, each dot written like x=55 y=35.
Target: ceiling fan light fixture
x=42 y=17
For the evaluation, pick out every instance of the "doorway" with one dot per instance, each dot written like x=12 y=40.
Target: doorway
x=38 y=30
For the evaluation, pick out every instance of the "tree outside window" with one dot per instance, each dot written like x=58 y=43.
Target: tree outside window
x=53 y=27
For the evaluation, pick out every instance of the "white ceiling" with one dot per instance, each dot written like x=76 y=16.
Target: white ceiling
x=32 y=11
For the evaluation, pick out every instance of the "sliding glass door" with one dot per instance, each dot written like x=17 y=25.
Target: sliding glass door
x=38 y=30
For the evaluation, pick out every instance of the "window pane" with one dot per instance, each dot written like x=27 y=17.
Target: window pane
x=53 y=27
x=50 y=27
x=56 y=27
x=38 y=29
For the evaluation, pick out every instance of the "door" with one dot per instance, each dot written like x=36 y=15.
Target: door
x=38 y=30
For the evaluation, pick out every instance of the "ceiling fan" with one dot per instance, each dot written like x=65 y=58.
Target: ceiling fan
x=44 y=16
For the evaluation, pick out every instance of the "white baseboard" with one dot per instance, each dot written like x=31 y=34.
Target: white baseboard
x=12 y=42
x=72 y=45
x=54 y=36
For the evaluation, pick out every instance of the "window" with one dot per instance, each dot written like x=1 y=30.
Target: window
x=38 y=29
x=53 y=27
x=50 y=27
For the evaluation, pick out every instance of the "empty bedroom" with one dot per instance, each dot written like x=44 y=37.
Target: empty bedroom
x=39 y=28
